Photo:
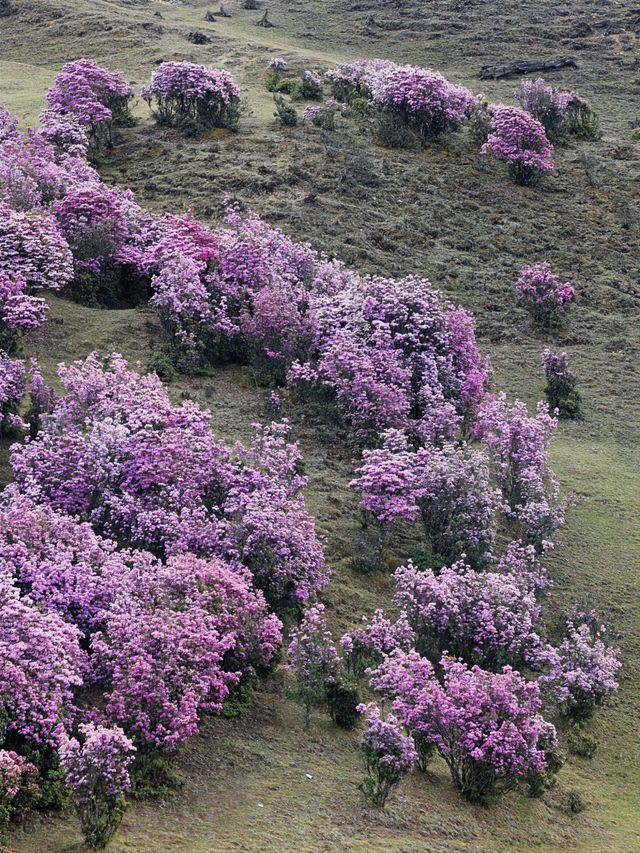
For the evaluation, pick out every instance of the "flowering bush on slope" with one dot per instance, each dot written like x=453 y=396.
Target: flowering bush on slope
x=313 y=658
x=560 y=390
x=486 y=726
x=546 y=104
x=94 y=96
x=31 y=246
x=17 y=783
x=193 y=97
x=388 y=753
x=116 y=452
x=519 y=139
x=97 y=773
x=542 y=293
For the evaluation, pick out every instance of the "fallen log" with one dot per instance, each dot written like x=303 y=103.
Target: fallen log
x=524 y=66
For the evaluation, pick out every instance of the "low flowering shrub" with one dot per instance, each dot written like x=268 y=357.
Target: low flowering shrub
x=9 y=131
x=285 y=113
x=313 y=659
x=19 y=311
x=583 y=669
x=518 y=447
x=368 y=645
x=97 y=772
x=193 y=97
x=520 y=140
x=278 y=63
x=421 y=99
x=65 y=132
x=486 y=726
x=388 y=754
x=310 y=87
x=354 y=80
x=560 y=390
x=543 y=295
x=546 y=104
x=95 y=97
x=18 y=784
x=488 y=618
x=12 y=389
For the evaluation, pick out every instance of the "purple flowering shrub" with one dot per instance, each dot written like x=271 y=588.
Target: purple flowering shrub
x=96 y=771
x=518 y=446
x=41 y=666
x=543 y=295
x=12 y=389
x=421 y=99
x=561 y=113
x=19 y=310
x=388 y=754
x=32 y=246
x=487 y=618
x=18 y=784
x=95 y=97
x=520 y=140
x=370 y=644
x=312 y=659
x=560 y=390
x=193 y=97
x=447 y=487
x=583 y=669
x=117 y=453
x=486 y=726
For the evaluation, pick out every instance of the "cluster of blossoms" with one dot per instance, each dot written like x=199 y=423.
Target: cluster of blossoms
x=583 y=669
x=541 y=292
x=388 y=753
x=489 y=618
x=560 y=390
x=368 y=645
x=356 y=79
x=192 y=97
x=116 y=452
x=520 y=140
x=12 y=390
x=278 y=63
x=18 y=781
x=96 y=771
x=19 y=311
x=95 y=97
x=518 y=446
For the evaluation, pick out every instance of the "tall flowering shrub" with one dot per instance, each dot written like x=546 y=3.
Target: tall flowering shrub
x=193 y=97
x=96 y=97
x=488 y=618
x=12 y=388
x=518 y=446
x=388 y=754
x=32 y=246
x=19 y=310
x=486 y=726
x=520 y=140
x=369 y=644
x=97 y=772
x=583 y=669
x=546 y=104
x=116 y=452
x=542 y=293
x=313 y=659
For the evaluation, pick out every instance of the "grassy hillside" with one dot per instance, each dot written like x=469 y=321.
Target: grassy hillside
x=449 y=215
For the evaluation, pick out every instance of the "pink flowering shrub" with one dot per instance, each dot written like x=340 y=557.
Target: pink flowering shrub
x=32 y=246
x=192 y=97
x=12 y=388
x=19 y=311
x=560 y=390
x=518 y=446
x=486 y=726
x=368 y=645
x=351 y=80
x=583 y=668
x=18 y=783
x=489 y=618
x=388 y=754
x=312 y=659
x=520 y=140
x=95 y=97
x=65 y=132
x=542 y=293
x=116 y=452
x=96 y=770
x=422 y=99
x=546 y=104
x=8 y=127
x=448 y=488
x=41 y=667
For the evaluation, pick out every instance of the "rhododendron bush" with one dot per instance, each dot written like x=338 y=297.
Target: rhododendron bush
x=542 y=293
x=388 y=754
x=193 y=97
x=520 y=140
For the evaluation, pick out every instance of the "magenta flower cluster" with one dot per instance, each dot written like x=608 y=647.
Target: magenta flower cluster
x=312 y=658
x=18 y=780
x=544 y=296
x=546 y=104
x=388 y=754
x=520 y=140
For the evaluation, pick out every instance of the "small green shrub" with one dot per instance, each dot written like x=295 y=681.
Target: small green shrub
x=285 y=113
x=343 y=697
x=581 y=743
x=153 y=777
x=392 y=133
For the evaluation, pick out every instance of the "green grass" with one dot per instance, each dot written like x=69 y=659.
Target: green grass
x=439 y=213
